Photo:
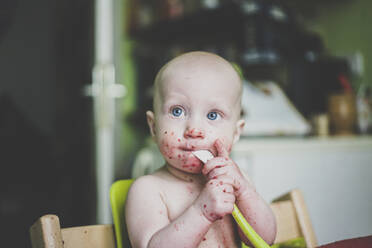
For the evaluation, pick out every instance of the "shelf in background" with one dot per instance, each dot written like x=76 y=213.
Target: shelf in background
x=201 y=23
x=225 y=19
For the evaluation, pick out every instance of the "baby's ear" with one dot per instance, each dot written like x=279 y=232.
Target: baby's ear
x=239 y=129
x=151 y=122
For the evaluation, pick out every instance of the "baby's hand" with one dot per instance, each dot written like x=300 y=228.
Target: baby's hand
x=224 y=166
x=217 y=198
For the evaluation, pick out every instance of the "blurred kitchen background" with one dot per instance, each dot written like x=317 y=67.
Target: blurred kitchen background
x=77 y=79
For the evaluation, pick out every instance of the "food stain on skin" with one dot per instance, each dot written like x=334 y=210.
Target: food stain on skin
x=190 y=189
x=196 y=133
x=167 y=150
x=176 y=227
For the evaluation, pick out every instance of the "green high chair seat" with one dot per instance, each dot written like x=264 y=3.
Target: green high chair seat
x=118 y=196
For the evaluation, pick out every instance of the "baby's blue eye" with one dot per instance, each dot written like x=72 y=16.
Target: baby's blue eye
x=177 y=111
x=212 y=115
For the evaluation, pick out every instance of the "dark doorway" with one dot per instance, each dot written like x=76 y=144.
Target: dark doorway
x=46 y=128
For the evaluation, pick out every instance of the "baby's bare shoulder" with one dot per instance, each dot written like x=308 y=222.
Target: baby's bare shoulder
x=149 y=183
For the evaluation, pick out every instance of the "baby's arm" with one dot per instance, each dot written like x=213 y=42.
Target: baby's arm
x=147 y=217
x=256 y=211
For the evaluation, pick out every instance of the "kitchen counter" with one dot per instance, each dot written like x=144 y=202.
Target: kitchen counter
x=333 y=173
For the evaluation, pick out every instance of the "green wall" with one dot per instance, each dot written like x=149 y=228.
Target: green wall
x=346 y=28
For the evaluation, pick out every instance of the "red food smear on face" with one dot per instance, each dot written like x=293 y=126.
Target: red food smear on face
x=224 y=191
x=204 y=239
x=218 y=166
x=179 y=140
x=205 y=206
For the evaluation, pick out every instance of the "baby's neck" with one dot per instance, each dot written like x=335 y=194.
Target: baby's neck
x=185 y=176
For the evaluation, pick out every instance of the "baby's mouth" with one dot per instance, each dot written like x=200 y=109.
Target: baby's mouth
x=193 y=148
x=187 y=149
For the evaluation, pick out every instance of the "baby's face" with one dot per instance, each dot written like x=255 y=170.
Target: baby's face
x=195 y=105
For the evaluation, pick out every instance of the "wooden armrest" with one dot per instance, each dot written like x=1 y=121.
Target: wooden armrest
x=292 y=214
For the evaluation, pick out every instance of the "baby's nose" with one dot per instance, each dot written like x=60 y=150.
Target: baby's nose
x=194 y=133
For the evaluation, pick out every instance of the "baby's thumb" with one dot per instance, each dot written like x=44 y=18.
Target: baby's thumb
x=221 y=150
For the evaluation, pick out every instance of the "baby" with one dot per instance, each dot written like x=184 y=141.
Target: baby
x=187 y=203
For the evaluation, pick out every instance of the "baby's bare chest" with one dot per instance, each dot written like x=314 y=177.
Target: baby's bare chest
x=222 y=233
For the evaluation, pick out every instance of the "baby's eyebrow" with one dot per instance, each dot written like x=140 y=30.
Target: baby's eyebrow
x=217 y=104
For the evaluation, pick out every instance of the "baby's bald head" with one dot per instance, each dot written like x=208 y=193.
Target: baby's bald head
x=202 y=65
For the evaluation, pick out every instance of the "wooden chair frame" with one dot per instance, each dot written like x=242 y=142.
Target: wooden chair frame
x=293 y=219
x=46 y=232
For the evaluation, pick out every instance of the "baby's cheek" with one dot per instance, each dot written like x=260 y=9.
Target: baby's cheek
x=166 y=149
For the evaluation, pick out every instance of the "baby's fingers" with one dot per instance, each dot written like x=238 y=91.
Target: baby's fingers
x=228 y=189
x=217 y=172
x=217 y=162
x=225 y=183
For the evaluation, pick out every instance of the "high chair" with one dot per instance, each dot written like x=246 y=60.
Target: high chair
x=46 y=232
x=293 y=219
x=293 y=224
x=118 y=196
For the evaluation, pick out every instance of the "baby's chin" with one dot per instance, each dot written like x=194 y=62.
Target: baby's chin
x=191 y=165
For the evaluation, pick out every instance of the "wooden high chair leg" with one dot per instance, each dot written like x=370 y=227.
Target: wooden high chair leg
x=46 y=232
